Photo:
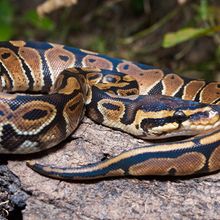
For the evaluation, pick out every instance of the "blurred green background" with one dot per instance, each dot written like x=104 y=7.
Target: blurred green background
x=169 y=34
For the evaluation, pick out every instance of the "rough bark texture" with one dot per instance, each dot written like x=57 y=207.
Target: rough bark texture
x=126 y=198
x=12 y=196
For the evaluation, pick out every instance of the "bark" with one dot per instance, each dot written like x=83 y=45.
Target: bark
x=12 y=195
x=125 y=198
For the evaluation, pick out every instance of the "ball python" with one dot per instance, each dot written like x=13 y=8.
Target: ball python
x=46 y=89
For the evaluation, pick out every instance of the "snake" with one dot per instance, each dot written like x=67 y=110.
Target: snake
x=47 y=88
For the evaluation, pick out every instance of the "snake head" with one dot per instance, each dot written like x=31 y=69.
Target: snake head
x=165 y=117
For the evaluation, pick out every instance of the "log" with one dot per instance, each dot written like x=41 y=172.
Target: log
x=124 y=198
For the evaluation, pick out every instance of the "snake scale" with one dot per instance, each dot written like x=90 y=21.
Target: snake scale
x=46 y=89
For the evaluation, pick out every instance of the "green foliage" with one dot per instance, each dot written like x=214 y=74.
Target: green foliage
x=6 y=19
x=38 y=22
x=172 y=39
x=203 y=10
x=11 y=24
x=205 y=15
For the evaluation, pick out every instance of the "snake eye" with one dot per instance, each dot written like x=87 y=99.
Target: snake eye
x=179 y=116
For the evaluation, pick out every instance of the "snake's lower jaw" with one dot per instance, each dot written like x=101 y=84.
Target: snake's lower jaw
x=165 y=136
x=202 y=125
x=175 y=129
x=186 y=128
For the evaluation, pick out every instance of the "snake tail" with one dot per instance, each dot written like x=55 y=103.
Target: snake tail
x=187 y=157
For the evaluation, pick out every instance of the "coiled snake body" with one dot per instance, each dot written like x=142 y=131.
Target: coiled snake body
x=49 y=85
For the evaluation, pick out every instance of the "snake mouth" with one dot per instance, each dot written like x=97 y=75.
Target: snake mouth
x=186 y=123
x=202 y=121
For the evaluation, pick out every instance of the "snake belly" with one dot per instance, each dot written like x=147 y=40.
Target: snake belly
x=49 y=85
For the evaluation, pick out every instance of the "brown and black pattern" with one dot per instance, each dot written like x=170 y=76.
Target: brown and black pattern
x=33 y=61
x=31 y=123
x=50 y=85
